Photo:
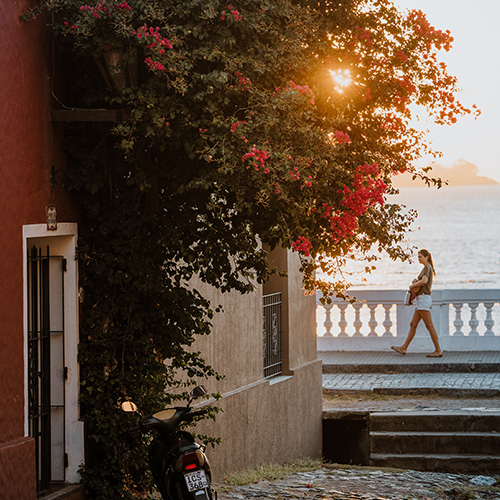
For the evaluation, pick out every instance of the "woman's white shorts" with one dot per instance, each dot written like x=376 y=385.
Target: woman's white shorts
x=423 y=302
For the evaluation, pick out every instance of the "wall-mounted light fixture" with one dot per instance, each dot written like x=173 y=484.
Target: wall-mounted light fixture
x=51 y=218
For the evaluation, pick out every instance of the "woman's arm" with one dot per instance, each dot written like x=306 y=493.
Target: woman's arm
x=420 y=282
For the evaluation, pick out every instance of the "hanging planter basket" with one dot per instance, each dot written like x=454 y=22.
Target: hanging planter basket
x=118 y=67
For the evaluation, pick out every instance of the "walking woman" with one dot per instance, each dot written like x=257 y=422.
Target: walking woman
x=422 y=288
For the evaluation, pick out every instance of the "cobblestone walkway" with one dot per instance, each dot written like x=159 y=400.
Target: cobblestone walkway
x=365 y=483
x=370 y=381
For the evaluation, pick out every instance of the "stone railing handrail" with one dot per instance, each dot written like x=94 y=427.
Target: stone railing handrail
x=466 y=320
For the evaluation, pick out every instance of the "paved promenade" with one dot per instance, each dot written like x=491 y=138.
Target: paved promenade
x=466 y=382
x=456 y=373
x=474 y=360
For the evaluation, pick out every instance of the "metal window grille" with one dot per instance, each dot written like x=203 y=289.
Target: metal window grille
x=273 y=364
x=46 y=372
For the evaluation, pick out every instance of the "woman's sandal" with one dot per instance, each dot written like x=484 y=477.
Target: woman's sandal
x=435 y=355
x=398 y=350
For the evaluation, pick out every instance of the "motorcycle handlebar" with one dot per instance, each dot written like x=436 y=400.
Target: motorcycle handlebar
x=198 y=413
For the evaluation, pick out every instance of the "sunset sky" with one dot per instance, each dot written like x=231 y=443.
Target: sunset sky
x=474 y=60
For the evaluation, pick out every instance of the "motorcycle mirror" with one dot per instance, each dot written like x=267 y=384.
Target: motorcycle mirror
x=129 y=406
x=198 y=391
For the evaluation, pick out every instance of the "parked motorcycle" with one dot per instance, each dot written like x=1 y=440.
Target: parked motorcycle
x=179 y=465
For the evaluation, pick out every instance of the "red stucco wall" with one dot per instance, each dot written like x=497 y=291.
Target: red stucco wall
x=17 y=470
x=28 y=148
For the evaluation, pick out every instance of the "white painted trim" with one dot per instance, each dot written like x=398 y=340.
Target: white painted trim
x=64 y=242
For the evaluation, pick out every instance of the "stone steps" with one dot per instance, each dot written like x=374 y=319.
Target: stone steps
x=460 y=442
x=429 y=440
x=435 y=421
x=464 y=439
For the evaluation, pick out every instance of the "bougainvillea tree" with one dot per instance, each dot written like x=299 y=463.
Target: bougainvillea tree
x=242 y=122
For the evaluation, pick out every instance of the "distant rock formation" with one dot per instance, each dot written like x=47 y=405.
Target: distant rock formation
x=461 y=173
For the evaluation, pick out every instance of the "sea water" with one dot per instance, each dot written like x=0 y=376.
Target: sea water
x=460 y=226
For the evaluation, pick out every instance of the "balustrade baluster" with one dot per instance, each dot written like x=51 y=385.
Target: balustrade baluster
x=357 y=321
x=488 y=322
x=387 y=320
x=328 y=320
x=342 y=322
x=473 y=323
x=373 y=322
x=458 y=323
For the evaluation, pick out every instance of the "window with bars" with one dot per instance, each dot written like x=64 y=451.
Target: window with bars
x=273 y=362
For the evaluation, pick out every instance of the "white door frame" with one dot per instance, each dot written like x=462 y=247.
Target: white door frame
x=63 y=241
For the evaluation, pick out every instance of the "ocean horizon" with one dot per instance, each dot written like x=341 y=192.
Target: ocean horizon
x=459 y=225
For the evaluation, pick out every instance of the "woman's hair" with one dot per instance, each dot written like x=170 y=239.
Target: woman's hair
x=428 y=255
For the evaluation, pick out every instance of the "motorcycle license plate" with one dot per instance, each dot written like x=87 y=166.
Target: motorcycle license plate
x=196 y=480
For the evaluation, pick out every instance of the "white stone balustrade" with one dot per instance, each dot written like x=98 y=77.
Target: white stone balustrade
x=466 y=320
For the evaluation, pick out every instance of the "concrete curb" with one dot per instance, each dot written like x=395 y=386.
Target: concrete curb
x=412 y=368
x=422 y=391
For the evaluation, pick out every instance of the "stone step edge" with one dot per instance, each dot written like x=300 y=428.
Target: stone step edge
x=422 y=434
x=393 y=391
x=68 y=492
x=331 y=369
x=475 y=458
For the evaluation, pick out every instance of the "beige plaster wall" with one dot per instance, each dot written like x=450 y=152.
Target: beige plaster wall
x=264 y=420
x=301 y=317
x=233 y=348
x=273 y=421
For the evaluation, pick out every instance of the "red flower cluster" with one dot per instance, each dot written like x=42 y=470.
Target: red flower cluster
x=235 y=125
x=440 y=39
x=243 y=82
x=367 y=94
x=341 y=137
x=237 y=16
x=393 y=123
x=157 y=41
x=295 y=173
x=302 y=244
x=154 y=65
x=258 y=157
x=367 y=189
x=103 y=8
x=405 y=89
x=304 y=90
x=400 y=56
x=363 y=36
x=308 y=183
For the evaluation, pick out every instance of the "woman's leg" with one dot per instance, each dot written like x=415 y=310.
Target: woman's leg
x=426 y=316
x=413 y=329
